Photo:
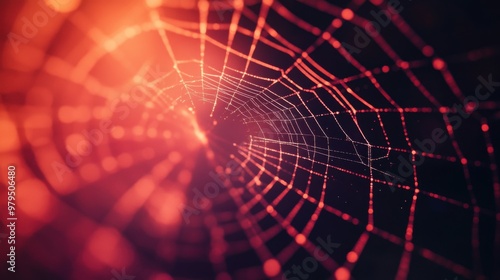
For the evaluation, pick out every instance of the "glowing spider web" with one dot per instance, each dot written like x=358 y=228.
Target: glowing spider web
x=320 y=131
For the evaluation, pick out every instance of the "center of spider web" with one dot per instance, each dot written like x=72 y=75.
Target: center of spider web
x=221 y=136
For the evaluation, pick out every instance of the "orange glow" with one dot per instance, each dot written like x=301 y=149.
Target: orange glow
x=135 y=196
x=109 y=164
x=118 y=132
x=154 y=3
x=352 y=257
x=272 y=267
x=300 y=239
x=342 y=273
x=173 y=138
x=174 y=157
x=40 y=208
x=184 y=176
x=201 y=136
x=38 y=121
x=12 y=141
x=108 y=247
x=337 y=23
x=63 y=6
x=163 y=207
x=438 y=64
x=347 y=14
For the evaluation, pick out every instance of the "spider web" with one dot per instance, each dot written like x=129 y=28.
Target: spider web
x=318 y=130
x=317 y=127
